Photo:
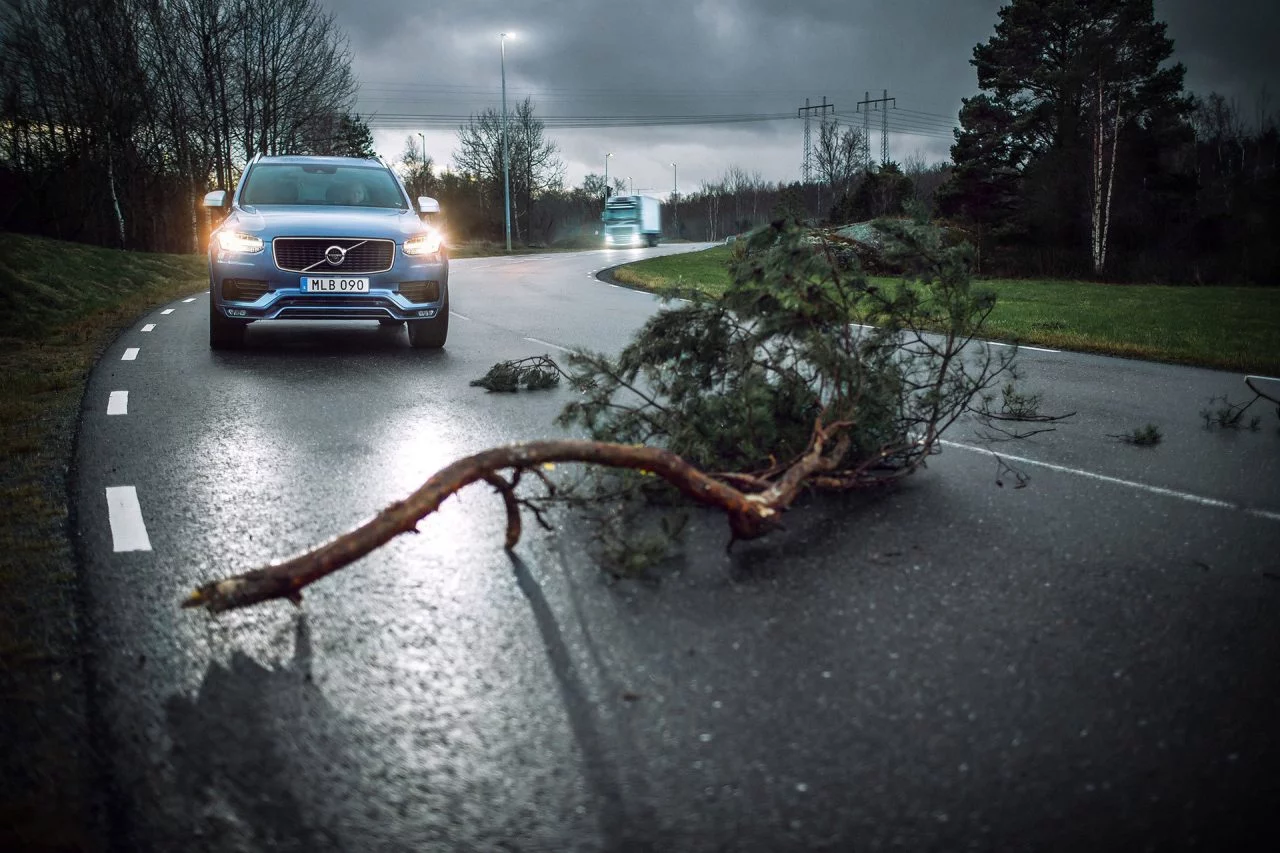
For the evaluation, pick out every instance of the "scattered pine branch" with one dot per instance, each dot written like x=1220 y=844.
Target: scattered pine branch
x=1015 y=407
x=533 y=373
x=1230 y=415
x=1147 y=436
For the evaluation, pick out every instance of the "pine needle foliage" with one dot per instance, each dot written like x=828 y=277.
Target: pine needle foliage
x=534 y=373
x=738 y=383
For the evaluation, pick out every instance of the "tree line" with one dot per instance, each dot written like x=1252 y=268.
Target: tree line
x=544 y=210
x=1082 y=155
x=116 y=115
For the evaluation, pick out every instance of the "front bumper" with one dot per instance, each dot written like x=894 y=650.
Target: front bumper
x=251 y=287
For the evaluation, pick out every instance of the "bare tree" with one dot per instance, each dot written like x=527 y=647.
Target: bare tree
x=294 y=68
x=118 y=114
x=711 y=196
x=417 y=169
x=736 y=182
x=534 y=167
x=839 y=155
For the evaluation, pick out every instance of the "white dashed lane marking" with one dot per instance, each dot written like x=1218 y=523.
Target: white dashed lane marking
x=148 y=327
x=167 y=311
x=192 y=299
x=118 y=403
x=128 y=531
x=130 y=354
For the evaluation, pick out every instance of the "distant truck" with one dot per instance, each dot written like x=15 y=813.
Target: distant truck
x=632 y=220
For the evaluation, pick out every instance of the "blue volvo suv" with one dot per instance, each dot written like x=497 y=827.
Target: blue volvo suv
x=325 y=238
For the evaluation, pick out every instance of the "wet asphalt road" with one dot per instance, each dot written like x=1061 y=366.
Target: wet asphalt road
x=1089 y=662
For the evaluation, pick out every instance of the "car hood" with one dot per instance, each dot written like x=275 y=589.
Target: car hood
x=310 y=221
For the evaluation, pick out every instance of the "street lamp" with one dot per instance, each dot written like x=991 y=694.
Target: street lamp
x=423 y=137
x=607 y=193
x=675 y=197
x=632 y=184
x=506 y=159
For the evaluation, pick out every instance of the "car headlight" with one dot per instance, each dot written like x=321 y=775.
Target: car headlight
x=239 y=243
x=424 y=244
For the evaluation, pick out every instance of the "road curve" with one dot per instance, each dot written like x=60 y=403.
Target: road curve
x=1087 y=661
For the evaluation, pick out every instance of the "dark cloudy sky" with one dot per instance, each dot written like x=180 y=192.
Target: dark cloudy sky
x=597 y=60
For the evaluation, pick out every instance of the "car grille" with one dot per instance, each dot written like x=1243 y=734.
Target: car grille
x=243 y=289
x=333 y=307
x=420 y=291
x=307 y=254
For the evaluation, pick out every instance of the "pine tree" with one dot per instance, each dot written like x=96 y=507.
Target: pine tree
x=1065 y=83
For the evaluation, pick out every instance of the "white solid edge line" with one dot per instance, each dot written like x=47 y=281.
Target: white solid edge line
x=128 y=531
x=1155 y=490
x=549 y=344
x=130 y=354
x=992 y=343
x=118 y=403
x=148 y=327
x=167 y=311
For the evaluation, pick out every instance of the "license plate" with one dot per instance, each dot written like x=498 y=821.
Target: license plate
x=334 y=285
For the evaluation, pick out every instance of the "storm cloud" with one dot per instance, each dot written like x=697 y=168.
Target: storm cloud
x=425 y=66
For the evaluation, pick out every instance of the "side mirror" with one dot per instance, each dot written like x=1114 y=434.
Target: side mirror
x=217 y=198
x=426 y=204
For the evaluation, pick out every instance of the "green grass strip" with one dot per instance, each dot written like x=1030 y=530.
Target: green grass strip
x=1232 y=328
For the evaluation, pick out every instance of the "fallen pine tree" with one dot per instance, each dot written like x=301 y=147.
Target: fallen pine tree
x=804 y=375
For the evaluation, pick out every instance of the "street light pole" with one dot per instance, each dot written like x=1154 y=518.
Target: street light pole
x=423 y=137
x=675 y=197
x=607 y=193
x=506 y=159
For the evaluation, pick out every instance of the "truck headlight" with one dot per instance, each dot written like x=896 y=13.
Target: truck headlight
x=424 y=244
x=239 y=243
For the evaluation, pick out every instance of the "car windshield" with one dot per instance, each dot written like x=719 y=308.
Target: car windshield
x=316 y=184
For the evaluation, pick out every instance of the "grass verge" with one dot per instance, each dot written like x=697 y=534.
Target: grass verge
x=1231 y=328
x=60 y=305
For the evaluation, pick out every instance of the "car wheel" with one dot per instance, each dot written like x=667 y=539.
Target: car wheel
x=431 y=334
x=224 y=333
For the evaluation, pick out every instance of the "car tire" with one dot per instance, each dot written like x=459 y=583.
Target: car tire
x=224 y=333
x=431 y=334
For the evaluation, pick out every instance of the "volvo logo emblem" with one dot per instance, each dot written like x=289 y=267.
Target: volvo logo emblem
x=335 y=255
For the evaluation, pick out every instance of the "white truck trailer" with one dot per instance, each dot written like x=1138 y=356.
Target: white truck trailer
x=632 y=220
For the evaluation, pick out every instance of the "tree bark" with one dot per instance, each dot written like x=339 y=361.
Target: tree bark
x=750 y=516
